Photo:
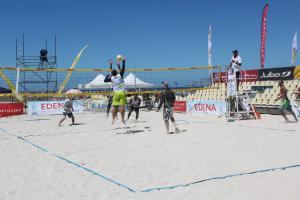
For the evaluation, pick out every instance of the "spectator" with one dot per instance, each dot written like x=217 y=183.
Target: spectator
x=134 y=105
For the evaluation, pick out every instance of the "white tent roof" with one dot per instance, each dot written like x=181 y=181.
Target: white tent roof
x=132 y=81
x=98 y=82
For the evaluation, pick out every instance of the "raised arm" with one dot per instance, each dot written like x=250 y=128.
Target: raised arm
x=110 y=64
x=123 y=67
x=119 y=67
x=108 y=76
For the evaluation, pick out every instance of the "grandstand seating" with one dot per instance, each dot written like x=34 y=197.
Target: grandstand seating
x=266 y=94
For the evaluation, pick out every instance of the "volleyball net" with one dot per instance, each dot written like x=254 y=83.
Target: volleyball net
x=55 y=82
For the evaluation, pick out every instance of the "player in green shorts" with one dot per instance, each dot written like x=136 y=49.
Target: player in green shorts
x=119 y=92
x=286 y=104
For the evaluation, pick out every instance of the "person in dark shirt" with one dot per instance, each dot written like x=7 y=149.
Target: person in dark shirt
x=109 y=102
x=134 y=105
x=167 y=99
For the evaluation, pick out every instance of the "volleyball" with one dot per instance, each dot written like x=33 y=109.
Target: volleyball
x=119 y=57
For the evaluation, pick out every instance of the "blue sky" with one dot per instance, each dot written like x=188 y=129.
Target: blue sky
x=152 y=33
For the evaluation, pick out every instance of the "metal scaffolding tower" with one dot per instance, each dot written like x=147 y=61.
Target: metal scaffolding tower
x=39 y=77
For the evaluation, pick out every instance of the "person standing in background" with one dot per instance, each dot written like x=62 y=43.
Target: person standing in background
x=68 y=108
x=134 y=105
x=235 y=65
x=167 y=99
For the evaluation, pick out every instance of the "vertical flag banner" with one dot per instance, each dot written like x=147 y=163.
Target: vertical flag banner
x=294 y=49
x=209 y=46
x=209 y=52
x=263 y=35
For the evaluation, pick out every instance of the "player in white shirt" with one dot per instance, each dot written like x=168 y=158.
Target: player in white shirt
x=119 y=90
x=68 y=108
x=235 y=65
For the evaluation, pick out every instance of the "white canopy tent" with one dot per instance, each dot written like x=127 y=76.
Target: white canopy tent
x=98 y=82
x=132 y=81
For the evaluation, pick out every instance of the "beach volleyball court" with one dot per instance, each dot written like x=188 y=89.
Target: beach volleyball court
x=210 y=158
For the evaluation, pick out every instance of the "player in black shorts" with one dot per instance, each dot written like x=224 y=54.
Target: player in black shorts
x=134 y=105
x=68 y=108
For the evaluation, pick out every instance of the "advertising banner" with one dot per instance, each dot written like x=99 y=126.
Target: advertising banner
x=51 y=107
x=270 y=74
x=249 y=75
x=245 y=76
x=10 y=109
x=297 y=72
x=180 y=106
x=206 y=107
x=99 y=105
x=263 y=36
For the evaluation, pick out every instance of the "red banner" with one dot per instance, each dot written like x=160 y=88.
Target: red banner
x=246 y=76
x=10 y=109
x=263 y=35
x=180 y=106
x=249 y=75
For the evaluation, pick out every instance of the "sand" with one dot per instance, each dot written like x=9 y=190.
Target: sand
x=97 y=160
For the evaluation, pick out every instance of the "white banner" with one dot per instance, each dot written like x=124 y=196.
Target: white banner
x=209 y=46
x=294 y=48
x=51 y=107
x=208 y=107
